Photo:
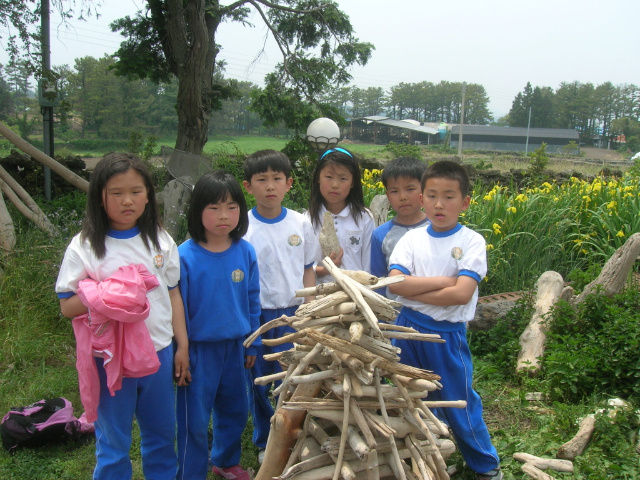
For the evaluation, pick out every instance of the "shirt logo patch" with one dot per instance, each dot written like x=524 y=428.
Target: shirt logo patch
x=158 y=260
x=354 y=240
x=456 y=252
x=237 y=276
x=294 y=240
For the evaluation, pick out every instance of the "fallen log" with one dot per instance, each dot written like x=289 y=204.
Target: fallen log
x=615 y=272
x=549 y=288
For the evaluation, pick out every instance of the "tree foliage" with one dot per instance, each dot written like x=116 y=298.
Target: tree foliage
x=592 y=110
x=179 y=38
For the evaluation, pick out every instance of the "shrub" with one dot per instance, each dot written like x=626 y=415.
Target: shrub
x=500 y=345
x=592 y=348
x=404 y=150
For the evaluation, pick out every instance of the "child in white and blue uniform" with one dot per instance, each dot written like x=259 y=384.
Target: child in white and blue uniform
x=285 y=246
x=401 y=178
x=221 y=292
x=121 y=228
x=443 y=265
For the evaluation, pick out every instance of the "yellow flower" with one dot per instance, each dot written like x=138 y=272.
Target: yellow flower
x=496 y=229
x=556 y=199
x=612 y=205
x=489 y=246
x=512 y=210
x=620 y=234
x=380 y=185
x=521 y=198
x=586 y=198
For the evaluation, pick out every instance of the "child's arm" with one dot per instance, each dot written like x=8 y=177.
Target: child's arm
x=71 y=307
x=458 y=294
x=413 y=286
x=182 y=374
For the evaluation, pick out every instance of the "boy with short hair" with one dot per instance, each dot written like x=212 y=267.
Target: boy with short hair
x=443 y=265
x=285 y=246
x=401 y=178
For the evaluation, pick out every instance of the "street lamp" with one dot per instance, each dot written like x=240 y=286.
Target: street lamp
x=323 y=134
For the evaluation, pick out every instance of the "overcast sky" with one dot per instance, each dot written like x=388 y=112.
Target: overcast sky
x=500 y=44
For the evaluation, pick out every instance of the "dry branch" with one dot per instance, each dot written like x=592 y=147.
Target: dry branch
x=576 y=445
x=44 y=159
x=544 y=463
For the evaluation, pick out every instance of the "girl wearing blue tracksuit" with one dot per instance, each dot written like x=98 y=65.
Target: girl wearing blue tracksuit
x=221 y=293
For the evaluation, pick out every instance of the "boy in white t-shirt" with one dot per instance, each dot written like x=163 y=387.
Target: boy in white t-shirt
x=443 y=265
x=285 y=246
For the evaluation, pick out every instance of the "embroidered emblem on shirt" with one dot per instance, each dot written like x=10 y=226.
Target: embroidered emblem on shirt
x=158 y=260
x=456 y=252
x=294 y=240
x=237 y=276
x=354 y=240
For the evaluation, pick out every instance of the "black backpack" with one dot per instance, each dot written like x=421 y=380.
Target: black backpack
x=42 y=422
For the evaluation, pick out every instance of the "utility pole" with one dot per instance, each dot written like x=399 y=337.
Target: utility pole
x=464 y=88
x=44 y=87
x=526 y=145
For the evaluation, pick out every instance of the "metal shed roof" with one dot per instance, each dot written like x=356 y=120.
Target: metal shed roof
x=516 y=132
x=399 y=124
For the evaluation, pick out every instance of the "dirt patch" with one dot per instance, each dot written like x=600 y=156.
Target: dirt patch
x=601 y=154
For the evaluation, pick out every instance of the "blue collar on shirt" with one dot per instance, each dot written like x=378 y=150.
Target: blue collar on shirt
x=448 y=233
x=280 y=217
x=124 y=234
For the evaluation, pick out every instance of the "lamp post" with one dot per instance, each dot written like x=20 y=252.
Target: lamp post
x=323 y=134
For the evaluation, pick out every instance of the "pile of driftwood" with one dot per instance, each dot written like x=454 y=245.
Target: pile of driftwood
x=346 y=405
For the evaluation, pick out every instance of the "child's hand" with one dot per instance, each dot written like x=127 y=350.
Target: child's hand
x=182 y=375
x=336 y=257
x=249 y=361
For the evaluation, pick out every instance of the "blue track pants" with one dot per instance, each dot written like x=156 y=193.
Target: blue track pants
x=151 y=399
x=217 y=389
x=452 y=361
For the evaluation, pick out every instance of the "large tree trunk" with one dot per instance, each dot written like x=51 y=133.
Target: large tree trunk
x=191 y=52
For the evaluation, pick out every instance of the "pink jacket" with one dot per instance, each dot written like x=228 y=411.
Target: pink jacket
x=114 y=329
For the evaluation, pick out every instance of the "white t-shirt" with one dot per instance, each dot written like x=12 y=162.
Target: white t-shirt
x=423 y=252
x=285 y=246
x=125 y=248
x=354 y=238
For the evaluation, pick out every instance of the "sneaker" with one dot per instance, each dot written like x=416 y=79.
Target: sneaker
x=261 y=453
x=232 y=473
x=495 y=474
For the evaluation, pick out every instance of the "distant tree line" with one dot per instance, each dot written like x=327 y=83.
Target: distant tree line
x=424 y=102
x=94 y=102
x=607 y=110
